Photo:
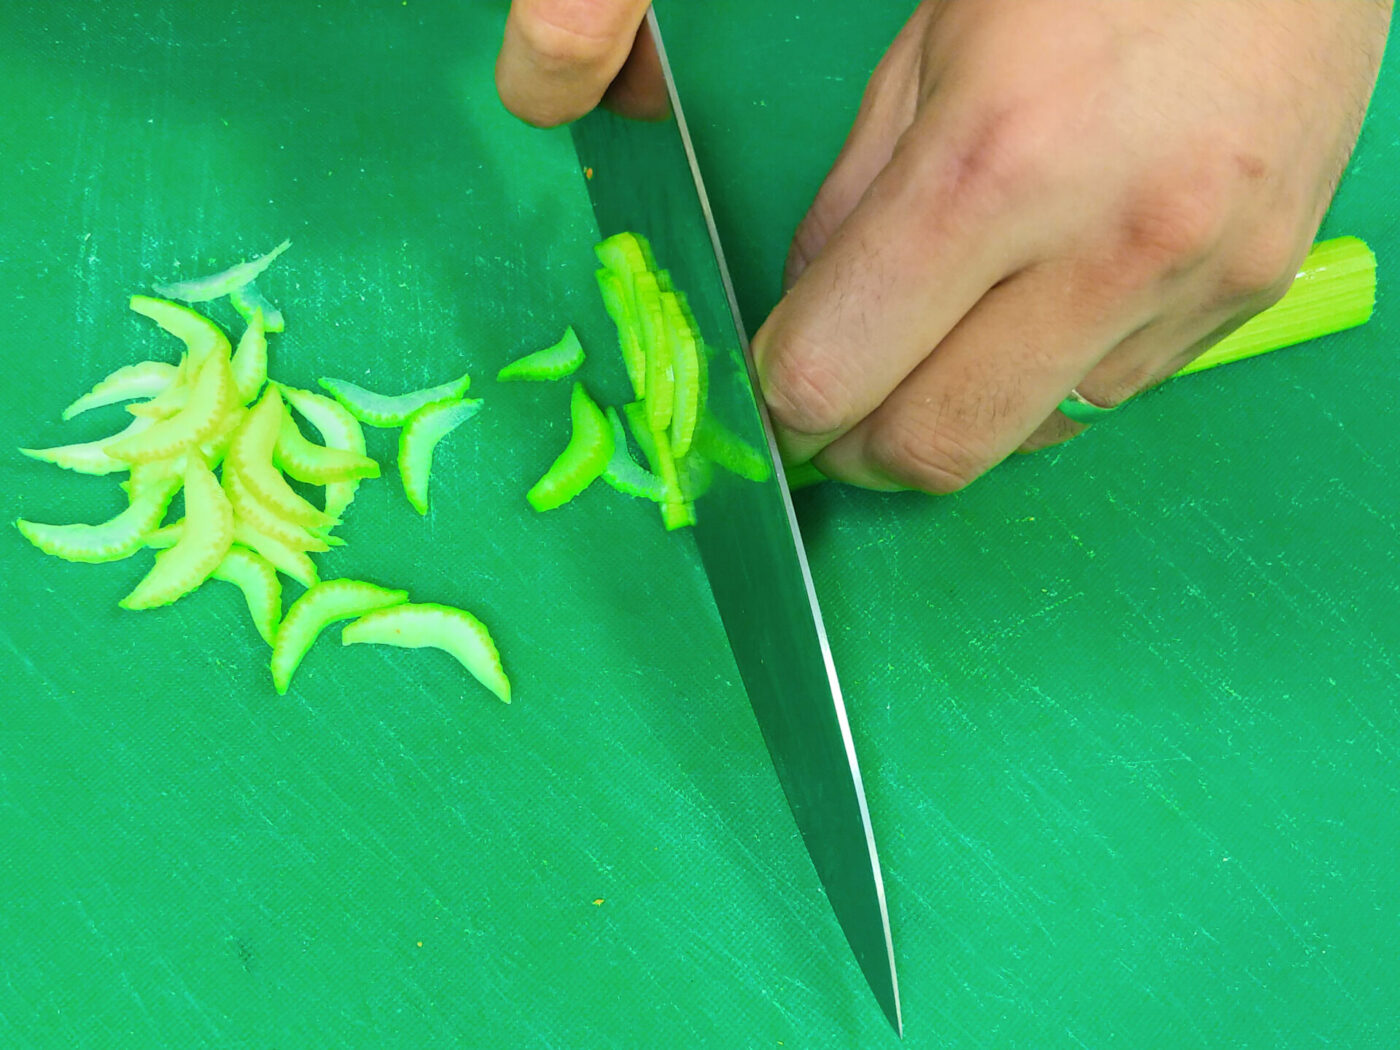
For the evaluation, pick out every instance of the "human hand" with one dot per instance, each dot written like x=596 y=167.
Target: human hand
x=561 y=58
x=1040 y=197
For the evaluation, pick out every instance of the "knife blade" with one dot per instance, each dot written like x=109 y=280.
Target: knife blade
x=643 y=177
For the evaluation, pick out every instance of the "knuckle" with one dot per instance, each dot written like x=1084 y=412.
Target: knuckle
x=804 y=394
x=1262 y=270
x=999 y=162
x=566 y=34
x=1170 y=230
x=922 y=455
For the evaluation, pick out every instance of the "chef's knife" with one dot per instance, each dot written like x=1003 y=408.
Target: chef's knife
x=643 y=177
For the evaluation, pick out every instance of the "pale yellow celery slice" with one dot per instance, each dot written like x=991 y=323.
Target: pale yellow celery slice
x=251 y=456
x=112 y=540
x=211 y=398
x=204 y=541
x=145 y=379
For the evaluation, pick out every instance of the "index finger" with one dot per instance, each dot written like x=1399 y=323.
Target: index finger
x=559 y=56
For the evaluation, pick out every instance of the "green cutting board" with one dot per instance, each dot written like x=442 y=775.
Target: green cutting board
x=1128 y=710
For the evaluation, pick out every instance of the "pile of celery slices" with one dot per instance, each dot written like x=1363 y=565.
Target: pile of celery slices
x=217 y=428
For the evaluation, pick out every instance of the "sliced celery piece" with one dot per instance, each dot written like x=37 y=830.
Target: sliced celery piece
x=623 y=473
x=247 y=507
x=384 y=410
x=559 y=361
x=676 y=512
x=455 y=631
x=257 y=579
x=310 y=614
x=685 y=351
x=212 y=397
x=656 y=344
x=619 y=307
x=145 y=379
x=338 y=429
x=249 y=299
x=201 y=336
x=89 y=457
x=203 y=543
x=112 y=540
x=216 y=285
x=250 y=455
x=420 y=436
x=583 y=459
x=250 y=361
x=726 y=449
x=296 y=564
x=317 y=464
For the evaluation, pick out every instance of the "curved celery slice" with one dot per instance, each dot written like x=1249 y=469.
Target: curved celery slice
x=656 y=344
x=166 y=536
x=251 y=456
x=294 y=563
x=146 y=379
x=216 y=285
x=559 y=361
x=384 y=410
x=339 y=430
x=440 y=626
x=722 y=446
x=257 y=579
x=90 y=457
x=420 y=435
x=211 y=399
x=113 y=540
x=623 y=473
x=317 y=464
x=685 y=351
x=310 y=614
x=201 y=336
x=250 y=361
x=247 y=507
x=676 y=511
x=618 y=304
x=248 y=300
x=203 y=543
x=584 y=459
x=170 y=400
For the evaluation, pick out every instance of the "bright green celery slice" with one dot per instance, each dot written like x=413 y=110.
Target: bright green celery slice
x=217 y=285
x=584 y=459
x=1335 y=289
x=250 y=361
x=453 y=630
x=339 y=429
x=255 y=576
x=251 y=456
x=420 y=436
x=145 y=379
x=249 y=299
x=656 y=345
x=212 y=398
x=296 y=564
x=685 y=351
x=112 y=540
x=618 y=304
x=204 y=541
x=310 y=614
x=626 y=253
x=559 y=361
x=676 y=511
x=89 y=457
x=722 y=446
x=317 y=464
x=247 y=507
x=384 y=410
x=623 y=473
x=201 y=336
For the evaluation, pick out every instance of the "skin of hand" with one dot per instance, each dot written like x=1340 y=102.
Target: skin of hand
x=1036 y=196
